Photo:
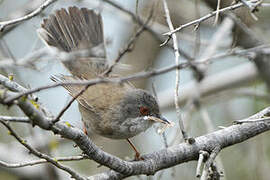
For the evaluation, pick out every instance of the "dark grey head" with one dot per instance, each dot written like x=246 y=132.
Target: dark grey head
x=133 y=112
x=139 y=103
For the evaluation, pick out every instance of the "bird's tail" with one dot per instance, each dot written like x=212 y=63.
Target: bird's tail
x=77 y=29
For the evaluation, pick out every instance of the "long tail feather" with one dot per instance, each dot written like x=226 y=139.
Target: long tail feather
x=77 y=29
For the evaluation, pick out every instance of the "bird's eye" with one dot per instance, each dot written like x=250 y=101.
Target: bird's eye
x=144 y=111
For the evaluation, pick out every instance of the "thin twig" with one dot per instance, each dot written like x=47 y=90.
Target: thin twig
x=5 y=24
x=197 y=73
x=99 y=80
x=69 y=104
x=176 y=53
x=27 y=60
x=156 y=34
x=41 y=155
x=137 y=7
x=264 y=119
x=4 y=81
x=210 y=128
x=203 y=155
x=130 y=43
x=217 y=14
x=209 y=162
x=235 y=52
x=252 y=5
x=40 y=161
x=197 y=21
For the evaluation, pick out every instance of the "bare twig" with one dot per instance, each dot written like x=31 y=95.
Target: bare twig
x=250 y=52
x=176 y=53
x=250 y=120
x=203 y=155
x=156 y=33
x=210 y=128
x=198 y=21
x=15 y=119
x=129 y=44
x=5 y=24
x=217 y=14
x=130 y=77
x=41 y=155
x=49 y=52
x=5 y=81
x=23 y=10
x=26 y=61
x=69 y=104
x=252 y=5
x=239 y=76
x=219 y=82
x=209 y=162
x=222 y=32
x=100 y=80
x=41 y=161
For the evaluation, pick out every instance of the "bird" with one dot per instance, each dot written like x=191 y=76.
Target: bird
x=111 y=110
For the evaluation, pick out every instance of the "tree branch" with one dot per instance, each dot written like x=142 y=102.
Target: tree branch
x=154 y=161
x=41 y=155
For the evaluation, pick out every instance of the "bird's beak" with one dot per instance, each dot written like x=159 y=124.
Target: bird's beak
x=161 y=119
x=165 y=121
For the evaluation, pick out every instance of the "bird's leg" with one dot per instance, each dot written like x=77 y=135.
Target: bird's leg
x=84 y=130
x=137 y=154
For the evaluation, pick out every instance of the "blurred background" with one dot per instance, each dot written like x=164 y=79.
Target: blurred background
x=233 y=87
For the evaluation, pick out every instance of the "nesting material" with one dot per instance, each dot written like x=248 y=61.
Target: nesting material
x=164 y=124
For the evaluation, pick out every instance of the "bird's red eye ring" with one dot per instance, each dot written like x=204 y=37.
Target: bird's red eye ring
x=144 y=111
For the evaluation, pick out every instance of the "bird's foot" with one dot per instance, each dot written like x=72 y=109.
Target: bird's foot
x=85 y=131
x=138 y=157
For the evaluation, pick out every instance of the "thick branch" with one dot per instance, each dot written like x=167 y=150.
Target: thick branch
x=185 y=152
x=155 y=161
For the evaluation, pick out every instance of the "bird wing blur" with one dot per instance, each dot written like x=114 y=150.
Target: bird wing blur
x=80 y=29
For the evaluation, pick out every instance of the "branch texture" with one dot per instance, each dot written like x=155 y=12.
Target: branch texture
x=153 y=162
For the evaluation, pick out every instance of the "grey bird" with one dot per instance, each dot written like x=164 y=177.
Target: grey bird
x=117 y=111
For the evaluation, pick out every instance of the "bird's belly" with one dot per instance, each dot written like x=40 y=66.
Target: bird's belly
x=95 y=124
x=121 y=132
